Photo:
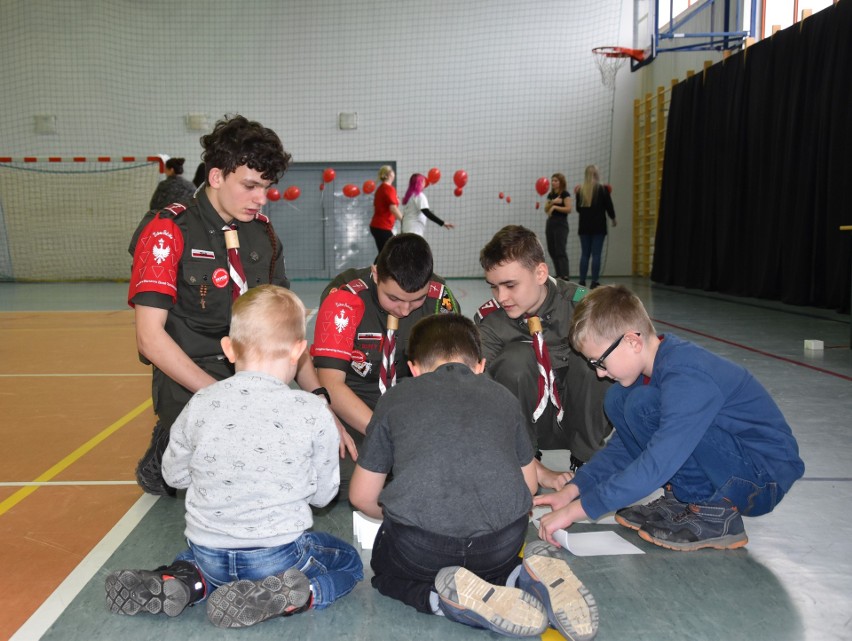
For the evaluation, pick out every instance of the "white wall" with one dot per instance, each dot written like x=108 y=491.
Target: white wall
x=506 y=90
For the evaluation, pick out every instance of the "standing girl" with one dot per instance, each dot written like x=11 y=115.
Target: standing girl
x=593 y=204
x=557 y=207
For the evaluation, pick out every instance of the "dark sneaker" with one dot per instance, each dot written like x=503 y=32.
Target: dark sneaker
x=243 y=603
x=149 y=473
x=571 y=608
x=168 y=589
x=664 y=507
x=699 y=526
x=576 y=464
x=467 y=599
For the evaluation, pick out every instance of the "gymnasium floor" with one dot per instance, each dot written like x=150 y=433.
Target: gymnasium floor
x=76 y=415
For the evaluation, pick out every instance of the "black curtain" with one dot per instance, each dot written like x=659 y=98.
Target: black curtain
x=757 y=176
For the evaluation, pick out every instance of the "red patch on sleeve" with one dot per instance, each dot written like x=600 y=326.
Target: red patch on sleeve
x=156 y=259
x=337 y=323
x=487 y=307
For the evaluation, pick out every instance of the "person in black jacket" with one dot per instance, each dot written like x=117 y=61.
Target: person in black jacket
x=593 y=204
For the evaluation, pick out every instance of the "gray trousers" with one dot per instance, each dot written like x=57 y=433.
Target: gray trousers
x=584 y=427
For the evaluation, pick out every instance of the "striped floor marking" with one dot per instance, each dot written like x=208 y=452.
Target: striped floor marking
x=72 y=458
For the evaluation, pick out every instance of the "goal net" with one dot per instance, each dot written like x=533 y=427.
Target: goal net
x=67 y=219
x=506 y=91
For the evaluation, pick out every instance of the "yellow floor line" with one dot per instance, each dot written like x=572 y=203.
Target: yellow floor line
x=74 y=456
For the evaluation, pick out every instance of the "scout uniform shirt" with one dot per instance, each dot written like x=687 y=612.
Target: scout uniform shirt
x=351 y=325
x=180 y=263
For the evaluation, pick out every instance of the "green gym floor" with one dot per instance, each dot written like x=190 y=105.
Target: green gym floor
x=793 y=580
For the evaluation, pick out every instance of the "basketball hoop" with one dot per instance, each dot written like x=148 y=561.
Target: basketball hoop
x=610 y=60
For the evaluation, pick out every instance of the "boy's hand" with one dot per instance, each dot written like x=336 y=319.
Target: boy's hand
x=558 y=520
x=346 y=442
x=558 y=500
x=553 y=480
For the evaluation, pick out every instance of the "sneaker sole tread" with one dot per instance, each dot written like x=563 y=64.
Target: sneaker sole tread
x=507 y=611
x=245 y=603
x=575 y=614
x=130 y=592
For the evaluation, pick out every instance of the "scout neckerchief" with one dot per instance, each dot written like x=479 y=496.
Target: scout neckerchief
x=546 y=380
x=387 y=373
x=235 y=265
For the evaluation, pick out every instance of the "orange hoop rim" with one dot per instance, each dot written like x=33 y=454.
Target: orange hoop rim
x=619 y=52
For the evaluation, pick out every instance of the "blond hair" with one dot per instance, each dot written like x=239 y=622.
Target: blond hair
x=591 y=180
x=385 y=171
x=267 y=320
x=606 y=313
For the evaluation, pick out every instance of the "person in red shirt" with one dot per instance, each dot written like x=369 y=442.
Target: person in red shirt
x=385 y=207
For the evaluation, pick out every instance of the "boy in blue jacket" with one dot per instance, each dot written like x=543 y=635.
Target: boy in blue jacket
x=687 y=420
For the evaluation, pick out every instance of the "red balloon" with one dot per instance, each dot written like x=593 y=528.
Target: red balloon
x=273 y=194
x=369 y=186
x=322 y=186
x=328 y=175
x=537 y=205
x=460 y=178
x=608 y=188
x=542 y=185
x=501 y=195
x=292 y=193
x=458 y=192
x=508 y=199
x=351 y=191
x=434 y=176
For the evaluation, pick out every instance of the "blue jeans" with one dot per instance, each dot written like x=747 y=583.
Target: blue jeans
x=406 y=559
x=719 y=470
x=332 y=565
x=591 y=245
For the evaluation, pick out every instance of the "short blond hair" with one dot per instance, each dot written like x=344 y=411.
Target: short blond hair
x=267 y=320
x=384 y=171
x=606 y=313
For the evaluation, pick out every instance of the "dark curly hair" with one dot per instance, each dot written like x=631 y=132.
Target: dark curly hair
x=236 y=141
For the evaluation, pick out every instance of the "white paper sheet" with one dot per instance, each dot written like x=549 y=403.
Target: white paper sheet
x=601 y=543
x=364 y=529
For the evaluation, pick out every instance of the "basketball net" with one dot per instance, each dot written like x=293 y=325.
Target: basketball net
x=611 y=59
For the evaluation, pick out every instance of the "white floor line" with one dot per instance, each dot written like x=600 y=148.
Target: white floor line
x=63 y=595
x=52 y=483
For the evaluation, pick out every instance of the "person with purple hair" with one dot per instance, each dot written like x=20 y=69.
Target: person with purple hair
x=415 y=208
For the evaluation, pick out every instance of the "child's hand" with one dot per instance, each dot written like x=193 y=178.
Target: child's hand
x=346 y=442
x=558 y=500
x=554 y=480
x=556 y=520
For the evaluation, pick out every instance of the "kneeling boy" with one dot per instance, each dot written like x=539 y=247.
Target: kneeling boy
x=685 y=419
x=463 y=479
x=253 y=455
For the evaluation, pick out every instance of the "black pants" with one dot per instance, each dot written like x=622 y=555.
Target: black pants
x=556 y=233
x=169 y=400
x=406 y=559
x=584 y=426
x=381 y=236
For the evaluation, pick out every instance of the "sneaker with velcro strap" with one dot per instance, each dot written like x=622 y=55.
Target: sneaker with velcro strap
x=635 y=516
x=699 y=526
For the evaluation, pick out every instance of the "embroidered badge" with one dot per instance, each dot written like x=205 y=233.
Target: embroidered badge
x=362 y=369
x=161 y=252
x=341 y=322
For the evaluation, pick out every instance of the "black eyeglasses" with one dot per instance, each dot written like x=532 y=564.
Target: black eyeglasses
x=598 y=363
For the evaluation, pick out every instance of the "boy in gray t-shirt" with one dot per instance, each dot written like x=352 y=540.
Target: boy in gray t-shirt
x=463 y=480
